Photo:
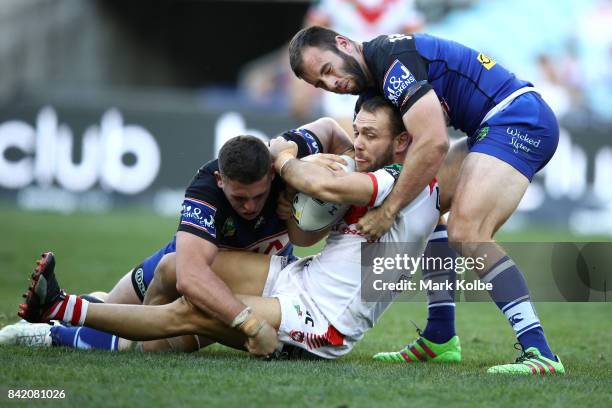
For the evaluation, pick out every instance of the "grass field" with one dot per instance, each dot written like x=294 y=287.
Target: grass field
x=93 y=251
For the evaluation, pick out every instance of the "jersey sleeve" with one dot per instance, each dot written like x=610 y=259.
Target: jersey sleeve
x=200 y=210
x=383 y=181
x=400 y=71
x=308 y=143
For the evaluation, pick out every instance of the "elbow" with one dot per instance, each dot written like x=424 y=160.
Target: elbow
x=439 y=149
x=442 y=146
x=184 y=284
x=328 y=122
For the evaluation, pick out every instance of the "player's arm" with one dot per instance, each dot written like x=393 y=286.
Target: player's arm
x=320 y=182
x=320 y=142
x=425 y=122
x=196 y=280
x=332 y=136
x=201 y=286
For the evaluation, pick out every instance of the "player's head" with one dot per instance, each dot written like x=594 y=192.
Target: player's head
x=245 y=174
x=380 y=136
x=328 y=60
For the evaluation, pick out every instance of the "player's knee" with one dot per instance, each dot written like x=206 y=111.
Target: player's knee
x=467 y=236
x=165 y=272
x=462 y=230
x=186 y=316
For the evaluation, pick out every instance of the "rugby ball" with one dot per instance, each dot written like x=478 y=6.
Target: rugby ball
x=312 y=214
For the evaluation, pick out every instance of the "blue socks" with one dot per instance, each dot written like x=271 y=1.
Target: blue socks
x=83 y=338
x=511 y=296
x=440 y=303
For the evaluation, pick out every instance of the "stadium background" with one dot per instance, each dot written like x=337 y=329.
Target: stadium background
x=108 y=107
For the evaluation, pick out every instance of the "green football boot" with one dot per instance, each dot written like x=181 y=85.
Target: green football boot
x=531 y=362
x=423 y=350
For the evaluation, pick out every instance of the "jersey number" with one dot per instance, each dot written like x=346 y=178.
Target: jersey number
x=397 y=37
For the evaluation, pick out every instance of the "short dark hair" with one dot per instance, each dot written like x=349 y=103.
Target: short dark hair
x=372 y=105
x=314 y=36
x=245 y=159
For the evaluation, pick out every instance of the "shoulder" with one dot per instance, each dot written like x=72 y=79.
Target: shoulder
x=307 y=141
x=204 y=186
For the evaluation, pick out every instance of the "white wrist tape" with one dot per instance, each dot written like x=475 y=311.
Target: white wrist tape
x=241 y=317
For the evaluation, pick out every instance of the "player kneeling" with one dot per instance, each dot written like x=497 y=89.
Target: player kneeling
x=315 y=304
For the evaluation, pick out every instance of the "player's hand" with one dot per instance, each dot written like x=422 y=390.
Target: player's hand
x=264 y=343
x=376 y=222
x=330 y=161
x=284 y=207
x=279 y=146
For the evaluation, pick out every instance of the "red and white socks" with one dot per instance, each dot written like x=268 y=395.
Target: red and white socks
x=72 y=310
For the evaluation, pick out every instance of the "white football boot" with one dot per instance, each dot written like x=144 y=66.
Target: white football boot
x=26 y=334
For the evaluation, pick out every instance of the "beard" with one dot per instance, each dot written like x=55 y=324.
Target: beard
x=354 y=70
x=384 y=160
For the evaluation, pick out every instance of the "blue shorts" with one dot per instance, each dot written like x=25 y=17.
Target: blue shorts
x=142 y=275
x=524 y=135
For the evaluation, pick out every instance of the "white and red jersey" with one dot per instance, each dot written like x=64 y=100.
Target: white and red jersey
x=333 y=278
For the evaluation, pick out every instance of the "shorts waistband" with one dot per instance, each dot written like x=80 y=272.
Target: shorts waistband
x=506 y=101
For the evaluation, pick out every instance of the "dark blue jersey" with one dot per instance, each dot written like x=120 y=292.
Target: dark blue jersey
x=208 y=214
x=468 y=83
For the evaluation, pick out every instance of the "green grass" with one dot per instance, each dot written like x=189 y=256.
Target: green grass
x=95 y=250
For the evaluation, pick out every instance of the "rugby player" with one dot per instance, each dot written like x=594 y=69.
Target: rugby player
x=314 y=303
x=511 y=134
x=231 y=203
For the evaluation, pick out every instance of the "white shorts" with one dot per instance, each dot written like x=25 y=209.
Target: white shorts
x=302 y=323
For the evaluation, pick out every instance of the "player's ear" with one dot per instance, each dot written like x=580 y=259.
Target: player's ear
x=402 y=142
x=343 y=43
x=219 y=179
x=272 y=172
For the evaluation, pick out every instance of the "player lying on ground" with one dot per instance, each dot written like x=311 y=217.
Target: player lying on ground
x=321 y=135
x=314 y=303
x=512 y=134
x=231 y=203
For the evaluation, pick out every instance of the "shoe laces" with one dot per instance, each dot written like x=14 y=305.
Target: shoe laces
x=525 y=355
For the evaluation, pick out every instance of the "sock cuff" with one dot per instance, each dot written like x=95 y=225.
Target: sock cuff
x=497 y=268
x=439 y=235
x=71 y=310
x=440 y=227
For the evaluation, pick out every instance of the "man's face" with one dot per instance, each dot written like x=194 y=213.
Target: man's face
x=332 y=71
x=247 y=199
x=374 y=143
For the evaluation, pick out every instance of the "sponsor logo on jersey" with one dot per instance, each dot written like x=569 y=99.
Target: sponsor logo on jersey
x=397 y=37
x=272 y=245
x=313 y=147
x=486 y=62
x=482 y=133
x=396 y=83
x=298 y=310
x=394 y=170
x=199 y=214
x=297 y=336
x=260 y=222
x=229 y=228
